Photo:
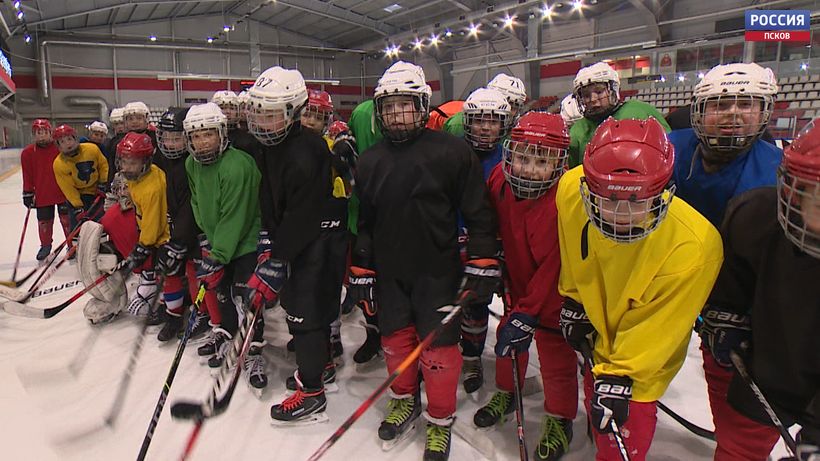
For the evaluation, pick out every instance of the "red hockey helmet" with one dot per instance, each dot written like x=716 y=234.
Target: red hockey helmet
x=134 y=154
x=535 y=154
x=336 y=128
x=64 y=130
x=320 y=101
x=798 y=184
x=40 y=124
x=628 y=166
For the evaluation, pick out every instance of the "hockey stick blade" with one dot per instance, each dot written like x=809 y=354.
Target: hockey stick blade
x=18 y=283
x=188 y=410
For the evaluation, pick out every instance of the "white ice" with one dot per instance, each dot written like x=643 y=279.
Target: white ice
x=43 y=408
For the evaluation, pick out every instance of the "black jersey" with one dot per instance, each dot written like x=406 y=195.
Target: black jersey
x=296 y=193
x=183 y=226
x=244 y=141
x=410 y=195
x=766 y=276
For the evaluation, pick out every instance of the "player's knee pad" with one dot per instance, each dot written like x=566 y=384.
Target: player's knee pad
x=96 y=256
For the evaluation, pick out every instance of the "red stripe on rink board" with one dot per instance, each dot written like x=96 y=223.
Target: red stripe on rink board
x=560 y=69
x=778 y=36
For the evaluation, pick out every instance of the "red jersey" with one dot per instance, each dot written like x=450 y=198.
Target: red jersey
x=38 y=174
x=529 y=236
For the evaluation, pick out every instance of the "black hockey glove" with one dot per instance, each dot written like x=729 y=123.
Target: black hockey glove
x=610 y=402
x=138 y=256
x=361 y=289
x=482 y=278
x=575 y=325
x=28 y=199
x=723 y=331
x=344 y=149
x=171 y=258
x=516 y=333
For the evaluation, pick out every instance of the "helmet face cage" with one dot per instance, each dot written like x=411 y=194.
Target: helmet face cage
x=625 y=221
x=531 y=170
x=231 y=111
x=315 y=118
x=270 y=126
x=398 y=121
x=129 y=161
x=589 y=111
x=172 y=144
x=798 y=203
x=485 y=129
x=210 y=154
x=730 y=123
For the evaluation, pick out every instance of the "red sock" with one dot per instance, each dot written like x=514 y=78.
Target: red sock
x=45 y=229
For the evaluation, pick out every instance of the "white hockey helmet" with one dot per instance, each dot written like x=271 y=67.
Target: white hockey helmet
x=403 y=79
x=569 y=110
x=117 y=115
x=206 y=117
x=733 y=86
x=98 y=126
x=600 y=72
x=482 y=110
x=276 y=91
x=512 y=88
x=136 y=107
x=224 y=97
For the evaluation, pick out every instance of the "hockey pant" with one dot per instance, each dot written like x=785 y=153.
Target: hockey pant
x=738 y=437
x=45 y=222
x=310 y=299
x=637 y=432
x=121 y=227
x=408 y=313
x=559 y=373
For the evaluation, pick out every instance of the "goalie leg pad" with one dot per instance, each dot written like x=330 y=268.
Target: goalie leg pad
x=98 y=311
x=95 y=257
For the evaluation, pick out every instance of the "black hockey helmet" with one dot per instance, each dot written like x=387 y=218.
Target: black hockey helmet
x=168 y=121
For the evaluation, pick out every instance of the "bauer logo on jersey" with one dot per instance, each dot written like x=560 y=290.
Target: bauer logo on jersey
x=778 y=26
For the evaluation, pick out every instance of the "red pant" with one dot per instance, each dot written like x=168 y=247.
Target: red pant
x=121 y=227
x=440 y=367
x=738 y=437
x=558 y=373
x=637 y=432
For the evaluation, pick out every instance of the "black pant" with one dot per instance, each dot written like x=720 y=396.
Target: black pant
x=232 y=291
x=416 y=302
x=46 y=213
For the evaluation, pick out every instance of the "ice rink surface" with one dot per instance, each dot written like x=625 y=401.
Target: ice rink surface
x=47 y=413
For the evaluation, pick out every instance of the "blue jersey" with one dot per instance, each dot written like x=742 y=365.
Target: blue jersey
x=710 y=192
x=488 y=162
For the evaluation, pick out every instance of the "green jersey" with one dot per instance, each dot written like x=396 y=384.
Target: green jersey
x=225 y=201
x=363 y=125
x=455 y=124
x=582 y=131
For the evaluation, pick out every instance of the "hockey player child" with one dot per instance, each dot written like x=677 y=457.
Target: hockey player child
x=596 y=90
x=177 y=257
x=238 y=136
x=410 y=185
x=98 y=134
x=636 y=263
x=317 y=113
x=487 y=120
x=303 y=243
x=224 y=185
x=40 y=189
x=764 y=307
x=723 y=156
x=511 y=87
x=229 y=105
x=135 y=114
x=522 y=190
x=117 y=121
x=81 y=171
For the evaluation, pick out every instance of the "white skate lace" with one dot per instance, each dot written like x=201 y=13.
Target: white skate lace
x=254 y=365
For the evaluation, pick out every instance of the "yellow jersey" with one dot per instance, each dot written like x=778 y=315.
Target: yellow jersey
x=81 y=173
x=151 y=206
x=641 y=297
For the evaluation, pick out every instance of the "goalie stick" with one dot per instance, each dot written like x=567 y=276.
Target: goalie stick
x=24 y=310
x=216 y=404
x=169 y=380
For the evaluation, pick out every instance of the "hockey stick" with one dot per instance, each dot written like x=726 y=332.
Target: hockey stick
x=740 y=366
x=586 y=351
x=519 y=409
x=23 y=310
x=23 y=296
x=453 y=311
x=215 y=404
x=169 y=380
x=19 y=250
x=690 y=426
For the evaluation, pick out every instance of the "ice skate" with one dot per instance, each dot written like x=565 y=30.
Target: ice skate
x=328 y=379
x=199 y=330
x=495 y=412
x=255 y=369
x=43 y=253
x=439 y=438
x=403 y=411
x=305 y=407
x=371 y=348
x=336 y=349
x=225 y=343
x=213 y=340
x=173 y=325
x=556 y=434
x=473 y=374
